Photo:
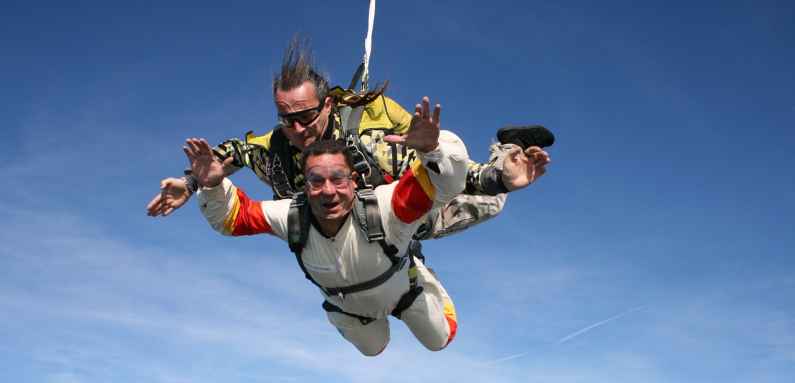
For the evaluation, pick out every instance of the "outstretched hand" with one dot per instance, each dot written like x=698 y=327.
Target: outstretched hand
x=521 y=168
x=205 y=166
x=423 y=134
x=173 y=194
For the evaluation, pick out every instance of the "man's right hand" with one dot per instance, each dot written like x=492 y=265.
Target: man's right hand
x=173 y=194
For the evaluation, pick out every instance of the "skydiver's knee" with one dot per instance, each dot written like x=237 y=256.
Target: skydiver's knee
x=436 y=348
x=433 y=340
x=370 y=339
x=436 y=344
x=368 y=343
x=371 y=349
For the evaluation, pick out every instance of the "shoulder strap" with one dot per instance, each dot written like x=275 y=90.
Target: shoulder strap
x=369 y=217
x=298 y=231
x=367 y=170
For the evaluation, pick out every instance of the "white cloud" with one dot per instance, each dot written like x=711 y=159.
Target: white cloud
x=86 y=302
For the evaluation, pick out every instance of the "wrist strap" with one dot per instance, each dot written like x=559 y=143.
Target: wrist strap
x=191 y=183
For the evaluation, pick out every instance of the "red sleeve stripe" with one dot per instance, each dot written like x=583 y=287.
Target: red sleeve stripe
x=249 y=218
x=413 y=194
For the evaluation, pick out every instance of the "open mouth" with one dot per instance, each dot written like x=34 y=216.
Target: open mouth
x=330 y=205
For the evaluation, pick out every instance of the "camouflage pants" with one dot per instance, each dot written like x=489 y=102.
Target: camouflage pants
x=467 y=210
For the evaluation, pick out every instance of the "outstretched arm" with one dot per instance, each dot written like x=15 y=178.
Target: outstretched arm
x=512 y=169
x=175 y=192
x=227 y=208
x=439 y=172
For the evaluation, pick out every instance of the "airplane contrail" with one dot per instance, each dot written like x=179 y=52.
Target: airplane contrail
x=568 y=337
x=597 y=324
x=504 y=359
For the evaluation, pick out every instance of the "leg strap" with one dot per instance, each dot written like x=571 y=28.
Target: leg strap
x=406 y=301
x=334 y=309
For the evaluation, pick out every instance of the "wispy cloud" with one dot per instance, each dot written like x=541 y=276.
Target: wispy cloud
x=504 y=359
x=88 y=307
x=597 y=324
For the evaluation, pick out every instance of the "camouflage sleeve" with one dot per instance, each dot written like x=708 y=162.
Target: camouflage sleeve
x=242 y=152
x=236 y=149
x=245 y=152
x=484 y=179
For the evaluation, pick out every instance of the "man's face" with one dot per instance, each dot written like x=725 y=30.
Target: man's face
x=301 y=114
x=329 y=187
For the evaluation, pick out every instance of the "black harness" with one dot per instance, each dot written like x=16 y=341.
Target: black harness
x=365 y=212
x=368 y=217
x=283 y=169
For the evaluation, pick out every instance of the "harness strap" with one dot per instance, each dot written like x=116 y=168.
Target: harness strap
x=405 y=301
x=366 y=285
x=368 y=215
x=298 y=232
x=351 y=117
x=372 y=216
x=334 y=309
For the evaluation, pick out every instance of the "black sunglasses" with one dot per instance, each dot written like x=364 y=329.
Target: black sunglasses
x=303 y=117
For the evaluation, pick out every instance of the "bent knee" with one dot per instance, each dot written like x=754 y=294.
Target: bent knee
x=436 y=343
x=436 y=346
x=369 y=350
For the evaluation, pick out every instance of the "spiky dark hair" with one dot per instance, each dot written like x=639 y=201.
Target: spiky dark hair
x=298 y=68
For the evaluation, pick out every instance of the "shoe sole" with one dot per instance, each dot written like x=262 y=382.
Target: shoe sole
x=526 y=136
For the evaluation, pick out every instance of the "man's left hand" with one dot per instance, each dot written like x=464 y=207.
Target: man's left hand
x=423 y=134
x=523 y=168
x=206 y=168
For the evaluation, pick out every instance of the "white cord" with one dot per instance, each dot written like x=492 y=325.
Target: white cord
x=368 y=46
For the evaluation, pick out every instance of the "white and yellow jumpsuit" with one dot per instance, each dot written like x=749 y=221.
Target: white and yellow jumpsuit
x=348 y=258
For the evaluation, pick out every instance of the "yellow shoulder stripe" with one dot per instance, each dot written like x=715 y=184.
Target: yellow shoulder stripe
x=229 y=221
x=422 y=177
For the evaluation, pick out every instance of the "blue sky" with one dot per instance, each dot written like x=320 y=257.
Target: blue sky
x=657 y=249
